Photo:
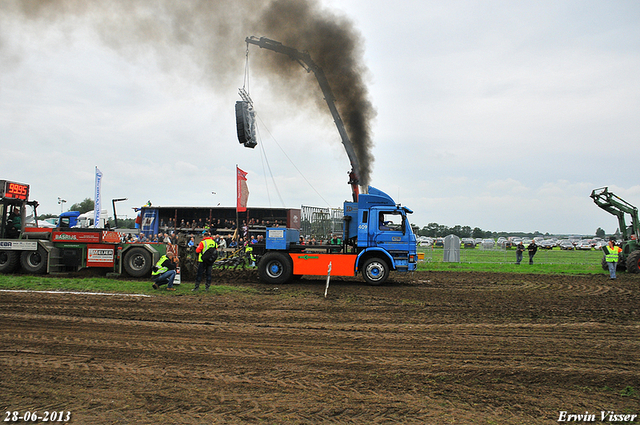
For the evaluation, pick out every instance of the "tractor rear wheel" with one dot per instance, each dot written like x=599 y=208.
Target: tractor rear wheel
x=9 y=261
x=633 y=262
x=34 y=262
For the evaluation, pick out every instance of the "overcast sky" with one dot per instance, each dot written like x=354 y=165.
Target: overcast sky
x=501 y=115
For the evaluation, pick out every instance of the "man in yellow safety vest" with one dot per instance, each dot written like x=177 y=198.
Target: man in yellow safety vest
x=611 y=252
x=165 y=271
x=204 y=266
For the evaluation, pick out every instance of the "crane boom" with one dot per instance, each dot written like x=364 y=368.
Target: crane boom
x=304 y=59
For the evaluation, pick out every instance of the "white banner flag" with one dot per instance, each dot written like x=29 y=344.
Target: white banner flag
x=98 y=199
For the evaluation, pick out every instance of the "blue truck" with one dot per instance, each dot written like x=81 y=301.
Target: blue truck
x=377 y=238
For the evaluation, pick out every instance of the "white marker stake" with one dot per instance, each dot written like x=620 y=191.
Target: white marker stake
x=328 y=277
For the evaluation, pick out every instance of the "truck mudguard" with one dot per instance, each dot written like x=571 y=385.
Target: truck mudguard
x=378 y=252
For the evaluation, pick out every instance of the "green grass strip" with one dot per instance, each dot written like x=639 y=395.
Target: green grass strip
x=104 y=285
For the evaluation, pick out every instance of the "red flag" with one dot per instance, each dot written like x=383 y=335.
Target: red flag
x=242 y=190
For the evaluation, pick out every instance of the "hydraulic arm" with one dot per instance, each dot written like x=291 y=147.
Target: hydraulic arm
x=304 y=59
x=617 y=206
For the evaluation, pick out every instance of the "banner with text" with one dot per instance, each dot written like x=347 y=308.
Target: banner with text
x=98 y=199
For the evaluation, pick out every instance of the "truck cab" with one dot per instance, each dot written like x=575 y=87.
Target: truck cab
x=73 y=219
x=68 y=219
x=377 y=226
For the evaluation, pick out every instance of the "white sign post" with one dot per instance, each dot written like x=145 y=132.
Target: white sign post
x=326 y=289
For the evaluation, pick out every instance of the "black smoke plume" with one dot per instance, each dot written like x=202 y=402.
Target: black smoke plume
x=205 y=39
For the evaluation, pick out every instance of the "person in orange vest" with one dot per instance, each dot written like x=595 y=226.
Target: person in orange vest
x=611 y=253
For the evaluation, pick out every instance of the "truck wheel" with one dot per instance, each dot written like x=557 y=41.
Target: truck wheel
x=375 y=271
x=9 y=261
x=604 y=264
x=34 y=262
x=137 y=262
x=633 y=262
x=275 y=268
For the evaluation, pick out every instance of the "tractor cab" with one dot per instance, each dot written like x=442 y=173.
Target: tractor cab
x=15 y=209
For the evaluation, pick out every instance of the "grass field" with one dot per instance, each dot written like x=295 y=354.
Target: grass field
x=501 y=260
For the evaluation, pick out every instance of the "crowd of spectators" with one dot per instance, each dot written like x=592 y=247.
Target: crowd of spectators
x=168 y=238
x=216 y=224
x=222 y=231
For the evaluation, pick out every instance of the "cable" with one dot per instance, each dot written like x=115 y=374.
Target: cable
x=264 y=171
x=271 y=174
x=264 y=154
x=292 y=163
x=245 y=83
x=265 y=159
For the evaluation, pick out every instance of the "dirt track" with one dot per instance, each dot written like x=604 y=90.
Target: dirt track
x=430 y=349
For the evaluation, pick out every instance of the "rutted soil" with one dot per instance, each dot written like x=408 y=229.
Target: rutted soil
x=427 y=348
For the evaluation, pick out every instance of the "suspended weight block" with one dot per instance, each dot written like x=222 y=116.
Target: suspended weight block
x=245 y=121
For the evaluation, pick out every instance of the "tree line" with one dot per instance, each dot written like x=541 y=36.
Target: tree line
x=435 y=230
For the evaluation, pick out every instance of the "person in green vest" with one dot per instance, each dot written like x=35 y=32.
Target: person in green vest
x=611 y=253
x=335 y=240
x=164 y=272
x=248 y=252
